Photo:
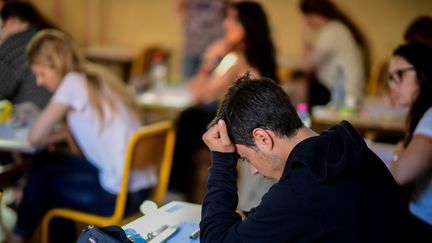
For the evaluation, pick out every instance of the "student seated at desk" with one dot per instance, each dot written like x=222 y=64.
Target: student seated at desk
x=247 y=46
x=410 y=78
x=331 y=187
x=21 y=21
x=101 y=115
x=338 y=49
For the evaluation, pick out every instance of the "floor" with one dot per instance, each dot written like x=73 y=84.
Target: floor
x=7 y=215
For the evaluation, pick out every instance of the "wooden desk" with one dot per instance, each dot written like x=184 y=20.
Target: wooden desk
x=171 y=214
x=374 y=119
x=117 y=59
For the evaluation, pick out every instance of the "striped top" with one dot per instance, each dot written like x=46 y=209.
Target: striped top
x=17 y=82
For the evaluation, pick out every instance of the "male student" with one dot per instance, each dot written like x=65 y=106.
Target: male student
x=331 y=187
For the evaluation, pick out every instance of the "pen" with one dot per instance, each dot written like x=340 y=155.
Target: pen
x=195 y=234
x=155 y=233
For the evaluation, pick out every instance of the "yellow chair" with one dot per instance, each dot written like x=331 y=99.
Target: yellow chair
x=2 y=226
x=150 y=146
x=378 y=78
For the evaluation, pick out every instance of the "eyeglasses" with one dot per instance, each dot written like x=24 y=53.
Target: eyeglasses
x=397 y=76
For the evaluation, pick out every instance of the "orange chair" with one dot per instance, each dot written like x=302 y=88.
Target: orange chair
x=150 y=146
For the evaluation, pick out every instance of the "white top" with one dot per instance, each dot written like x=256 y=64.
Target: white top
x=422 y=205
x=335 y=46
x=104 y=145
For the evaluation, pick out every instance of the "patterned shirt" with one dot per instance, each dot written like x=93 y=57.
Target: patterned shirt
x=203 y=24
x=17 y=81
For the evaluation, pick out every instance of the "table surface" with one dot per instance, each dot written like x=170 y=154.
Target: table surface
x=15 y=139
x=374 y=116
x=170 y=97
x=171 y=214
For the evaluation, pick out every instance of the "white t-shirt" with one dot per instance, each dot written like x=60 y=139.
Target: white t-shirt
x=335 y=46
x=422 y=205
x=103 y=145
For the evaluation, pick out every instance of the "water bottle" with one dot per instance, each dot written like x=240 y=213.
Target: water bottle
x=302 y=111
x=338 y=91
x=159 y=71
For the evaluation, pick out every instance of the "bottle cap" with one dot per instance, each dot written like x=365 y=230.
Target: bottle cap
x=158 y=56
x=302 y=107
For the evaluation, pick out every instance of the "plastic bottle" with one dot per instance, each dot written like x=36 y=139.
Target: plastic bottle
x=159 y=71
x=338 y=91
x=302 y=111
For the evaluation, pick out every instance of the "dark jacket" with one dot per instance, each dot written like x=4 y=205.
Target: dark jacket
x=17 y=82
x=333 y=189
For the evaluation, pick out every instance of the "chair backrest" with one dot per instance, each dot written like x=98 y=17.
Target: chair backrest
x=378 y=78
x=150 y=146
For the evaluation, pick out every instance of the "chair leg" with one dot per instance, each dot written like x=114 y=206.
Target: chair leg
x=45 y=229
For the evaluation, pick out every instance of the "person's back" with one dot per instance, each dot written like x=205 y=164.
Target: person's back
x=348 y=193
x=16 y=79
x=339 y=46
x=17 y=82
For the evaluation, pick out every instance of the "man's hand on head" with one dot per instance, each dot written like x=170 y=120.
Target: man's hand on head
x=216 y=138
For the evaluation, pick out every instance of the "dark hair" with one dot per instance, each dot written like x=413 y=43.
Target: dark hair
x=257 y=103
x=420 y=56
x=260 y=51
x=420 y=30
x=329 y=10
x=26 y=12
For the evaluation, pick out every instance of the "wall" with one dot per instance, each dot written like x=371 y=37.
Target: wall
x=136 y=23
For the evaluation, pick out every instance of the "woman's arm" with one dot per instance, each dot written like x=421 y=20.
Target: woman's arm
x=414 y=161
x=212 y=88
x=42 y=131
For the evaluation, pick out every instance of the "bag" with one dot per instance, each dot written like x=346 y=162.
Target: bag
x=108 y=234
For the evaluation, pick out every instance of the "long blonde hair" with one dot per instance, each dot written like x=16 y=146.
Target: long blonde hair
x=56 y=50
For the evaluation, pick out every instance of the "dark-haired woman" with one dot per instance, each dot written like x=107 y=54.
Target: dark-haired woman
x=410 y=78
x=339 y=46
x=247 y=46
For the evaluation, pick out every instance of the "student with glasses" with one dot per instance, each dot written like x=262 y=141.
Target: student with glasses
x=410 y=78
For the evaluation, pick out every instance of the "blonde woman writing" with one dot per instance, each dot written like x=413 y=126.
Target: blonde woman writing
x=101 y=115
